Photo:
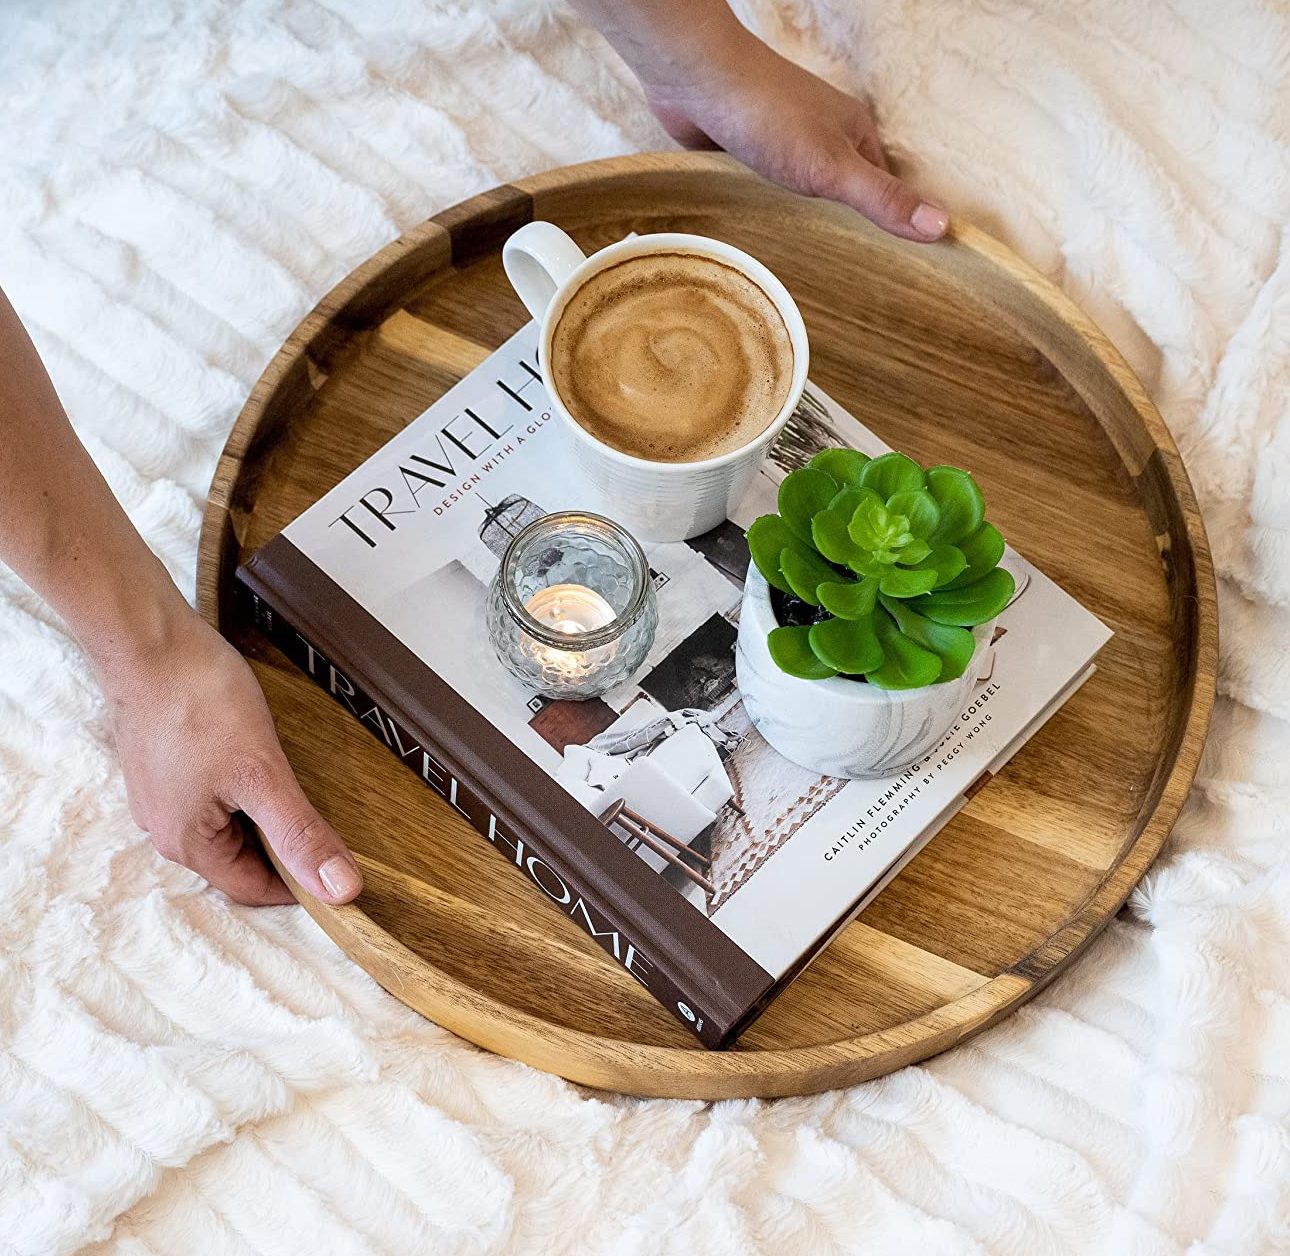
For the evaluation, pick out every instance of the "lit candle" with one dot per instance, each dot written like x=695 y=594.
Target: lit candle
x=570 y=609
x=591 y=628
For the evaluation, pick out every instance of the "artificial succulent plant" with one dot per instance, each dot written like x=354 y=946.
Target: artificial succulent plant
x=883 y=569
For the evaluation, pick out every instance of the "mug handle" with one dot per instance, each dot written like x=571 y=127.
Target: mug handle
x=538 y=258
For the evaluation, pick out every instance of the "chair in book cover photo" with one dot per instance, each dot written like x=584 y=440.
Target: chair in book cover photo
x=659 y=785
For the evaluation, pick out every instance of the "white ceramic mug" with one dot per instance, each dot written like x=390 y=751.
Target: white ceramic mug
x=658 y=501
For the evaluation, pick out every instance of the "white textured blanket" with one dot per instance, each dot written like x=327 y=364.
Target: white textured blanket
x=179 y=181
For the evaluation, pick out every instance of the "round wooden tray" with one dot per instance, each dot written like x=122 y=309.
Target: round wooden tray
x=955 y=352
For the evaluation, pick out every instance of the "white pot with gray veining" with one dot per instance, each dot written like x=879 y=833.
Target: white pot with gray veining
x=840 y=727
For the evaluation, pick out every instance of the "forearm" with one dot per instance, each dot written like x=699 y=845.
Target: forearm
x=61 y=528
x=194 y=733
x=669 y=42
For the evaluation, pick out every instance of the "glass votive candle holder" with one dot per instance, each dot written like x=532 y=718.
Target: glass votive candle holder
x=571 y=610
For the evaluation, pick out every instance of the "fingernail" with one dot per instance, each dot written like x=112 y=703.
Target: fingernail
x=340 y=877
x=929 y=220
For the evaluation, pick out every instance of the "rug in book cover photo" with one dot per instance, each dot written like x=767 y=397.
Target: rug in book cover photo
x=775 y=797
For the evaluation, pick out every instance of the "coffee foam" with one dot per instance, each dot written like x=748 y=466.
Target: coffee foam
x=672 y=357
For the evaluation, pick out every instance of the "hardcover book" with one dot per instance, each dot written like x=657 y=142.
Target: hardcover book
x=377 y=591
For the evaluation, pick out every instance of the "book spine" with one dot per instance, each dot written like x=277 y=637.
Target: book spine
x=520 y=847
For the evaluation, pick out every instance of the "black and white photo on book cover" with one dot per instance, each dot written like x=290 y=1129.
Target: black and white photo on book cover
x=773 y=854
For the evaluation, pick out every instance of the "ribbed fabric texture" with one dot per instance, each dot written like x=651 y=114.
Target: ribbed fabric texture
x=180 y=180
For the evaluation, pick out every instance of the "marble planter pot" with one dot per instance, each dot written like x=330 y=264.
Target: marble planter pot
x=841 y=727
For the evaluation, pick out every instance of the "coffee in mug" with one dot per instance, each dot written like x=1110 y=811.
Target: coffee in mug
x=672 y=361
x=672 y=357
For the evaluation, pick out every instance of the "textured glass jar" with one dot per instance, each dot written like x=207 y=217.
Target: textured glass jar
x=571 y=611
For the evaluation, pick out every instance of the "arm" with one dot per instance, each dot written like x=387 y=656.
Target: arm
x=712 y=83
x=196 y=739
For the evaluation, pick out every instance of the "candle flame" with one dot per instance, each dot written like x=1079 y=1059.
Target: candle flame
x=570 y=609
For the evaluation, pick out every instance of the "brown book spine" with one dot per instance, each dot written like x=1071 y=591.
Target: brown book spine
x=518 y=843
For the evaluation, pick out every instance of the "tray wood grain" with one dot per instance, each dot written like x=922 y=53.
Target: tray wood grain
x=956 y=352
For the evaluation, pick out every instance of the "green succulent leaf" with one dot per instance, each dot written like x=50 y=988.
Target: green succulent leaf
x=790 y=648
x=920 y=508
x=913 y=554
x=870 y=524
x=804 y=569
x=768 y=537
x=871 y=567
x=802 y=495
x=972 y=604
x=983 y=550
x=844 y=465
x=831 y=538
x=947 y=561
x=905 y=663
x=848 y=499
x=847 y=645
x=849 y=599
x=961 y=504
x=907 y=582
x=953 y=646
x=892 y=473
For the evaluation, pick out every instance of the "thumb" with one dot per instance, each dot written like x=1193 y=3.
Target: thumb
x=885 y=200
x=310 y=849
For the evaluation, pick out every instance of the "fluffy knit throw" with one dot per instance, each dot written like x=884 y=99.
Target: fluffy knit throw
x=180 y=180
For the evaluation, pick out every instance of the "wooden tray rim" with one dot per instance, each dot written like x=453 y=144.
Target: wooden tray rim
x=359 y=301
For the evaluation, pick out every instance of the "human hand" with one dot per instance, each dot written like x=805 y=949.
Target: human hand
x=797 y=130
x=197 y=745
x=713 y=84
